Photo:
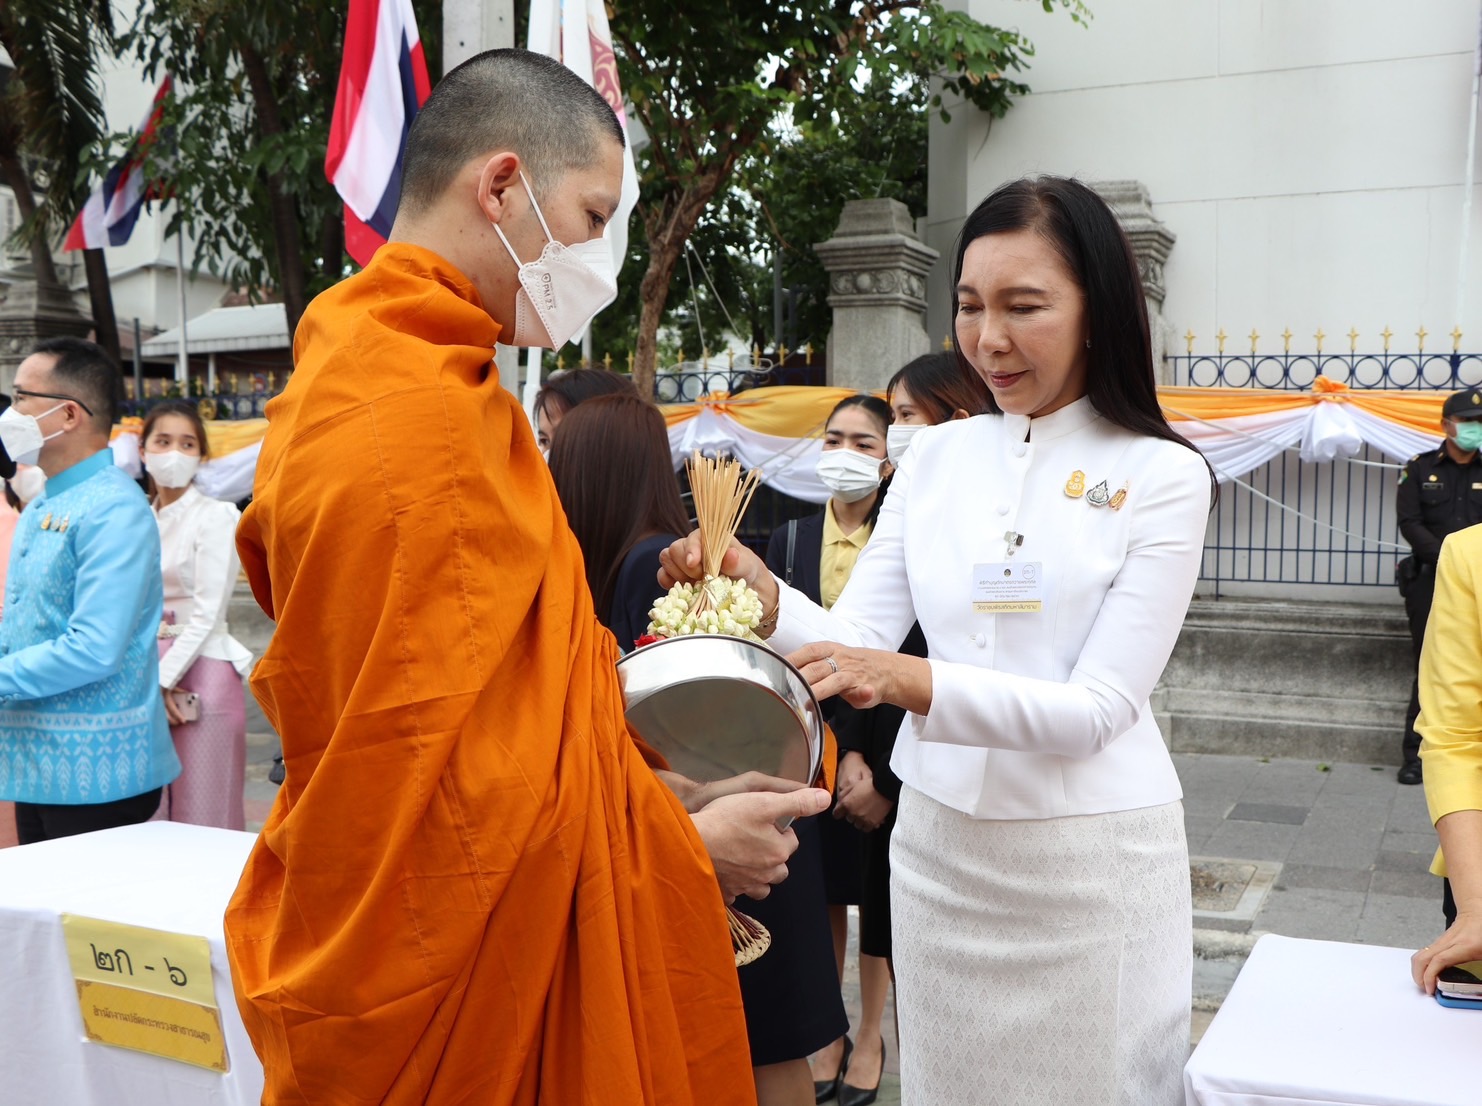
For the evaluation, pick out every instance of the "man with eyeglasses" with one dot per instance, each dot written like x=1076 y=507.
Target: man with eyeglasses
x=84 y=744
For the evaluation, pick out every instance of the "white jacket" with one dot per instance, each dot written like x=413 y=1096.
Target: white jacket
x=1036 y=715
x=198 y=560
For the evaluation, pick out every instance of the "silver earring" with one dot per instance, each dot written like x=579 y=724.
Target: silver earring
x=1088 y=343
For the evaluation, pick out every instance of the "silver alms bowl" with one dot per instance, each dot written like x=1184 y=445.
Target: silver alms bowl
x=718 y=706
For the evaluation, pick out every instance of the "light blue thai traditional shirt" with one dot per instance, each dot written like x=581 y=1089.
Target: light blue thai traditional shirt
x=81 y=718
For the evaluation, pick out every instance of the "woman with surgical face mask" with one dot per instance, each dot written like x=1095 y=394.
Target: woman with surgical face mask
x=817 y=553
x=201 y=664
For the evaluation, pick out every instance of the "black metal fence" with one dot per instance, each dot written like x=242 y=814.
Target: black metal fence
x=1307 y=523
x=1297 y=371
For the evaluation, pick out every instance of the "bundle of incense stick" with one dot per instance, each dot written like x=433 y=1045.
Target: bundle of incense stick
x=749 y=938
x=722 y=492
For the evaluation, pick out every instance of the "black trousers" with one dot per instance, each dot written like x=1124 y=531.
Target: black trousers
x=1418 y=609
x=44 y=822
x=1448 y=903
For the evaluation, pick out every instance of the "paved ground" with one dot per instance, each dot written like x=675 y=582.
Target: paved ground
x=1353 y=845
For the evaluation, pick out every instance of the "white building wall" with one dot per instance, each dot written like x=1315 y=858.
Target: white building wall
x=1308 y=154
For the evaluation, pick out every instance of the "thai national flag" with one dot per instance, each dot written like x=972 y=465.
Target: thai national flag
x=383 y=84
x=108 y=217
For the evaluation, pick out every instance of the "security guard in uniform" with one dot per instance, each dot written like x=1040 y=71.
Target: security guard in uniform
x=1440 y=492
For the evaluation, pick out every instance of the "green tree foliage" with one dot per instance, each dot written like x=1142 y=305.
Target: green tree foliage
x=51 y=113
x=256 y=85
x=710 y=91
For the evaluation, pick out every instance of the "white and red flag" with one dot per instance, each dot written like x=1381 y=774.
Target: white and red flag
x=108 y=217
x=576 y=33
x=383 y=84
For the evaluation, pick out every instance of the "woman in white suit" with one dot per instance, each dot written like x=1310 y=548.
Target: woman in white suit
x=1040 y=883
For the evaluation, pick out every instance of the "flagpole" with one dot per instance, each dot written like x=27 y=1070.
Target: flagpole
x=182 y=361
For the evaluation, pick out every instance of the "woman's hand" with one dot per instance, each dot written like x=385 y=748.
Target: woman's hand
x=855 y=799
x=865 y=678
x=1458 y=945
x=172 y=712
x=681 y=564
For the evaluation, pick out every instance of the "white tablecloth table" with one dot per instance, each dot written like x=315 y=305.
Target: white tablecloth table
x=1316 y=1022
x=162 y=875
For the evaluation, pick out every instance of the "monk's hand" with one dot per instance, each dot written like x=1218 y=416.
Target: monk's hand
x=696 y=796
x=1458 y=945
x=744 y=784
x=865 y=678
x=747 y=849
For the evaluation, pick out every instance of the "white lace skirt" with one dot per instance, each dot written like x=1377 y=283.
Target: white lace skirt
x=1041 y=962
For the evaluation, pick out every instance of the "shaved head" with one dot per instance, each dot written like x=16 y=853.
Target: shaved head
x=512 y=100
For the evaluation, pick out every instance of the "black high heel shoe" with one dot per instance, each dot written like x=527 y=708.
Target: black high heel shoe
x=827 y=1091
x=859 y=1096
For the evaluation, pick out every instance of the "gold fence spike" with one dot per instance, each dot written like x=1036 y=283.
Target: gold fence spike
x=632 y=358
x=1386 y=334
x=560 y=361
x=1420 y=338
x=705 y=356
x=1318 y=337
x=946 y=342
x=1353 y=337
x=756 y=355
x=808 y=354
x=272 y=382
x=1189 y=337
x=1456 y=340
x=679 y=357
x=1286 y=340
x=730 y=358
x=782 y=355
x=607 y=361
x=1220 y=338
x=1254 y=338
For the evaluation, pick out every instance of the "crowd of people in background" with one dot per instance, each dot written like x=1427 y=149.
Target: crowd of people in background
x=107 y=732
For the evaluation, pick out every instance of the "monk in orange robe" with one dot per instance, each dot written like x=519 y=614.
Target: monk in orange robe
x=471 y=888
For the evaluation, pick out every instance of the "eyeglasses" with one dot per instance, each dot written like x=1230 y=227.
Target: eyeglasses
x=22 y=393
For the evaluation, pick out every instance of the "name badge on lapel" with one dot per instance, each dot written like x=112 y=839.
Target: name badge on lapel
x=1008 y=587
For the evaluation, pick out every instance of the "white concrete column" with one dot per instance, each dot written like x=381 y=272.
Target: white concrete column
x=877 y=282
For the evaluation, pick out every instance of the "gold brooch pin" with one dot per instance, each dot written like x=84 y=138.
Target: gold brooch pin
x=1118 y=497
x=46 y=522
x=1098 y=496
x=1075 y=487
x=65 y=520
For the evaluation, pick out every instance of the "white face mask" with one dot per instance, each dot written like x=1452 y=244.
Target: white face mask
x=173 y=469
x=21 y=434
x=28 y=484
x=562 y=289
x=850 y=475
x=897 y=437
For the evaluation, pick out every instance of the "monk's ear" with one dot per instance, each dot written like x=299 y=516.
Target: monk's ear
x=960 y=414
x=499 y=184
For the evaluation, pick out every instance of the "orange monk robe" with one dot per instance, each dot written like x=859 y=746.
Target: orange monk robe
x=471 y=889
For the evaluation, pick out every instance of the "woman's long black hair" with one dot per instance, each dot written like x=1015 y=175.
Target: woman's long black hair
x=1120 y=381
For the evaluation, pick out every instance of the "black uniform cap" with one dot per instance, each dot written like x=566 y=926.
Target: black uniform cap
x=1463 y=405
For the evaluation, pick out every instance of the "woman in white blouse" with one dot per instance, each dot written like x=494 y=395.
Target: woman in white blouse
x=201 y=664
x=1040 y=884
